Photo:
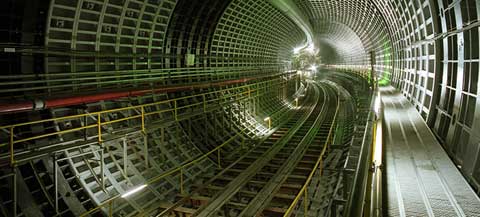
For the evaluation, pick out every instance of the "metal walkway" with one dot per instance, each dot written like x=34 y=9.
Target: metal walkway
x=421 y=180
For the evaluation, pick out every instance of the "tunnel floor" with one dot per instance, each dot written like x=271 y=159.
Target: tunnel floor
x=421 y=180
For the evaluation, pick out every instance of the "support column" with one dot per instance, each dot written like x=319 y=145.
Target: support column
x=55 y=180
x=124 y=140
x=14 y=171
x=145 y=143
x=102 y=165
x=372 y=69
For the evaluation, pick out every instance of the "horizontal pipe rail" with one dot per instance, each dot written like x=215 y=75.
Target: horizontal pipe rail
x=38 y=104
x=243 y=91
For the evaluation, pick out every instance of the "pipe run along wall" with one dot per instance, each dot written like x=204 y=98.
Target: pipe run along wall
x=39 y=104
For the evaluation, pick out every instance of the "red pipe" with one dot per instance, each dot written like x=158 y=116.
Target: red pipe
x=39 y=104
x=17 y=107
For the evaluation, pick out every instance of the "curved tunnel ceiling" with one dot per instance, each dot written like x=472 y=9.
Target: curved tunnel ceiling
x=347 y=46
x=358 y=19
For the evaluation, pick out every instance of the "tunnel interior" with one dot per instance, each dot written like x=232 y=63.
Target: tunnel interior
x=99 y=97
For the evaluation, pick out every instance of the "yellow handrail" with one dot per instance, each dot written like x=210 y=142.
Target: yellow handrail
x=238 y=95
x=167 y=173
x=303 y=190
x=130 y=107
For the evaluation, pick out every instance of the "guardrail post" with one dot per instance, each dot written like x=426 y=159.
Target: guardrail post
x=124 y=140
x=85 y=121
x=305 y=202
x=321 y=167
x=12 y=160
x=55 y=180
x=14 y=204
x=218 y=159
x=204 y=103
x=100 y=142
x=145 y=139
x=181 y=181
x=143 y=118
x=110 y=208
x=99 y=128
x=102 y=166
x=145 y=147
x=175 y=109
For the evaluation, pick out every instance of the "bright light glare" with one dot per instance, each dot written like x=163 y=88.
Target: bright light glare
x=313 y=68
x=261 y=130
x=376 y=107
x=266 y=119
x=377 y=158
x=311 y=48
x=297 y=50
x=133 y=191
x=308 y=47
x=290 y=105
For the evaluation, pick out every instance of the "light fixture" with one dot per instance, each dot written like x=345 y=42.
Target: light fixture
x=269 y=120
x=377 y=156
x=376 y=106
x=133 y=191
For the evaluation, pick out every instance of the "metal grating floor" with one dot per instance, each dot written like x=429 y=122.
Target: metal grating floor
x=421 y=180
